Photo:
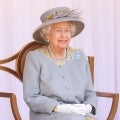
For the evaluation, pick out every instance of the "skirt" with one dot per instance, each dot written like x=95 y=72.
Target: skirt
x=59 y=116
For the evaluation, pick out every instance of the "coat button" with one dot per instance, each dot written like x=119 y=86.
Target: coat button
x=66 y=87
x=64 y=77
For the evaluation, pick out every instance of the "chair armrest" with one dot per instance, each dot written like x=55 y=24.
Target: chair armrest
x=115 y=100
x=13 y=103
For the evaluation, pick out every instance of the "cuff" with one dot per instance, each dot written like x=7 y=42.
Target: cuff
x=93 y=110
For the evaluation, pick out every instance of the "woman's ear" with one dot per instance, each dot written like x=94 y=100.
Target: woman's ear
x=47 y=36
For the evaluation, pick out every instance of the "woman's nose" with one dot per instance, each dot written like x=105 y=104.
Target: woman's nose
x=63 y=34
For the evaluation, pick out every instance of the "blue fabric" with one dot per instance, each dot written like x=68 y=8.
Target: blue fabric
x=46 y=84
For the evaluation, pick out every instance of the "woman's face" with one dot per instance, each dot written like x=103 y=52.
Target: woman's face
x=59 y=35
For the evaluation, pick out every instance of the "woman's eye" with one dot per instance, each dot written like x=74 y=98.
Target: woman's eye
x=58 y=30
x=67 y=30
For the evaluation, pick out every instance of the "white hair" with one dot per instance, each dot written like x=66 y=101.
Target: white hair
x=47 y=28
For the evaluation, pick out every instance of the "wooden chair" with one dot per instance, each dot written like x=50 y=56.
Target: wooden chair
x=18 y=72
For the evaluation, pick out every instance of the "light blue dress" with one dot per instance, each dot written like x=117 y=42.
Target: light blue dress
x=48 y=82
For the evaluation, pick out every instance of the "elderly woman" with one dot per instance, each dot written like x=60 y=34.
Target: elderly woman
x=57 y=82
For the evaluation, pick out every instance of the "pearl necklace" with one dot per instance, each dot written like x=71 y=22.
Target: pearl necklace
x=59 y=62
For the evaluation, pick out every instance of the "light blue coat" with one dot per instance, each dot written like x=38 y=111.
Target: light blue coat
x=46 y=84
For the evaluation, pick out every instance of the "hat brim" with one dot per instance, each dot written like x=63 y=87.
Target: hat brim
x=79 y=27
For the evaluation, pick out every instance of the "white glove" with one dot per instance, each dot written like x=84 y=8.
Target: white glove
x=68 y=108
x=84 y=108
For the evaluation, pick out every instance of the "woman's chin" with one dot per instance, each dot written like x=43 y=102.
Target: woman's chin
x=63 y=45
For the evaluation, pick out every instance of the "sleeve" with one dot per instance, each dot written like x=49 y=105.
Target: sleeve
x=90 y=94
x=31 y=86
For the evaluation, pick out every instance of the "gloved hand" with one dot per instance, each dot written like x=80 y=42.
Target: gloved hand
x=84 y=108
x=69 y=108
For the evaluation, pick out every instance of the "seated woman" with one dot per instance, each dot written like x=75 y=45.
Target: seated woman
x=57 y=82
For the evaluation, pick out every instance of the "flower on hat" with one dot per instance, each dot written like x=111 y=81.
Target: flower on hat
x=63 y=13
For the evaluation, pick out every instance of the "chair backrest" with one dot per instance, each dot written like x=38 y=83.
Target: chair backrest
x=18 y=72
x=20 y=59
x=34 y=45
